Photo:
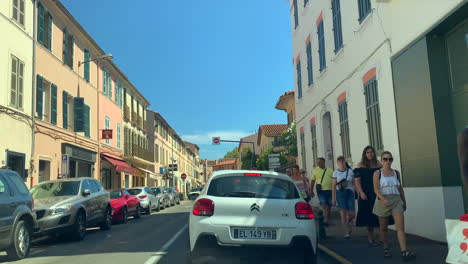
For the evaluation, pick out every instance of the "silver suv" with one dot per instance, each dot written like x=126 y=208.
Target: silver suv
x=17 y=221
x=68 y=206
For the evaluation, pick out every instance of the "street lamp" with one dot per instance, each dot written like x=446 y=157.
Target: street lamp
x=98 y=58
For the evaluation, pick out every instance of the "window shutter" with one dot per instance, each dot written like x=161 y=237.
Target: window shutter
x=40 y=23
x=65 y=109
x=70 y=51
x=78 y=113
x=39 y=96
x=86 y=120
x=109 y=83
x=53 y=104
x=65 y=46
x=49 y=31
x=86 y=65
x=104 y=81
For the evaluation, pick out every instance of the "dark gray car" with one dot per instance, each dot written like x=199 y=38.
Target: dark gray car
x=173 y=195
x=17 y=221
x=68 y=206
x=163 y=196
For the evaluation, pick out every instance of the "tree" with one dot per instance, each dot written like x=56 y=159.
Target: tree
x=233 y=154
x=262 y=161
x=289 y=139
x=246 y=159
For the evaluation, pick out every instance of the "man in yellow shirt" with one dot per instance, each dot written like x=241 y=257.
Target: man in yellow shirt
x=322 y=179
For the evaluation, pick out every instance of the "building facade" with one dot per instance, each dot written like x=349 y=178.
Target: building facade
x=368 y=73
x=16 y=82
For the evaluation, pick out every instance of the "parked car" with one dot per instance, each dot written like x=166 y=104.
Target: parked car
x=17 y=220
x=256 y=209
x=124 y=205
x=193 y=194
x=173 y=195
x=148 y=199
x=70 y=205
x=163 y=196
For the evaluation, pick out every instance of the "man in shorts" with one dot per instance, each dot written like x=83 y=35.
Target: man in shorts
x=322 y=177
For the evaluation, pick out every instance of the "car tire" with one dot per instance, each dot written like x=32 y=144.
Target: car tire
x=138 y=212
x=79 y=227
x=107 y=221
x=148 y=210
x=158 y=208
x=19 y=249
x=124 y=216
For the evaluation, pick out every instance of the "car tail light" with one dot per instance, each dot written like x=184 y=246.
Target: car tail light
x=203 y=207
x=252 y=174
x=142 y=196
x=304 y=211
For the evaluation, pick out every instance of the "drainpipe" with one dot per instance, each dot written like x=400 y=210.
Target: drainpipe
x=33 y=96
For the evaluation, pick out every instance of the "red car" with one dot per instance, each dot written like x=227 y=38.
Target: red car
x=124 y=205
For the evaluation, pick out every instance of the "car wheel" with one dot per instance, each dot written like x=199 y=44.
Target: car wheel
x=79 y=227
x=19 y=249
x=148 y=210
x=158 y=208
x=138 y=212
x=178 y=201
x=124 y=216
x=107 y=221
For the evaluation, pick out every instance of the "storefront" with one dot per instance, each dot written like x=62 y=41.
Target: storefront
x=80 y=161
x=112 y=172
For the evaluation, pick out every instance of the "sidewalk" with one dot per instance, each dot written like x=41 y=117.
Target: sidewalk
x=357 y=251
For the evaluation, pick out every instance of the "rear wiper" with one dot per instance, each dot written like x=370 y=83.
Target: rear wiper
x=241 y=194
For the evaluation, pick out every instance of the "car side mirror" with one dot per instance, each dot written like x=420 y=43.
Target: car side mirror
x=86 y=192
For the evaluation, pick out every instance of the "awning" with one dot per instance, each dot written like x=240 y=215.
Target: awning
x=120 y=165
x=152 y=174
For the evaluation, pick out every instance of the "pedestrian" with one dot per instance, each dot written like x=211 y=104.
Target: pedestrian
x=288 y=172
x=343 y=192
x=390 y=201
x=322 y=181
x=364 y=173
x=301 y=183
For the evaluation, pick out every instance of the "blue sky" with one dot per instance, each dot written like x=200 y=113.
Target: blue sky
x=211 y=68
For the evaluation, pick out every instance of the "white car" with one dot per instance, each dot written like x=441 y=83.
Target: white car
x=251 y=208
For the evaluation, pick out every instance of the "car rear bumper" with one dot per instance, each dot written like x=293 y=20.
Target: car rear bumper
x=144 y=204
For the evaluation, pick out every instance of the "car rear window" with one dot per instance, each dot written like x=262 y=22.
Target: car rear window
x=134 y=191
x=253 y=187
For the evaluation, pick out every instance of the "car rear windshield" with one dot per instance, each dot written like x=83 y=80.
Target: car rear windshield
x=134 y=191
x=156 y=190
x=55 y=189
x=115 y=194
x=253 y=187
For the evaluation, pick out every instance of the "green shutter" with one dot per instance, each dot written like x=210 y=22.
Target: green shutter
x=49 y=31
x=78 y=113
x=110 y=86
x=40 y=23
x=65 y=109
x=86 y=120
x=86 y=65
x=104 y=81
x=70 y=51
x=65 y=46
x=53 y=104
x=39 y=96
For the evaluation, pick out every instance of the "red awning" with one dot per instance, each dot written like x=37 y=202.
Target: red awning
x=120 y=165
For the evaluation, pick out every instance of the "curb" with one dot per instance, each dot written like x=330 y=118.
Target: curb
x=333 y=254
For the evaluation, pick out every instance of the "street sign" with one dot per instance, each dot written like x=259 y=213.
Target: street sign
x=183 y=176
x=65 y=165
x=106 y=134
x=216 y=140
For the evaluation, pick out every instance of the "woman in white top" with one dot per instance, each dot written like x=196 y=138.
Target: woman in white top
x=390 y=201
x=343 y=182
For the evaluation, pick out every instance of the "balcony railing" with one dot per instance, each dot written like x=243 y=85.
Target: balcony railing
x=127 y=114
x=134 y=118
x=140 y=152
x=140 y=122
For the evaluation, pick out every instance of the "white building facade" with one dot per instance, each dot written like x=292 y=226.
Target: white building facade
x=345 y=56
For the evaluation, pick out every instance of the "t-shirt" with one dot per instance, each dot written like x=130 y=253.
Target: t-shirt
x=340 y=175
x=327 y=177
x=302 y=188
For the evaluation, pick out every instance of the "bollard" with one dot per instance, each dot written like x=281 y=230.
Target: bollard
x=321 y=226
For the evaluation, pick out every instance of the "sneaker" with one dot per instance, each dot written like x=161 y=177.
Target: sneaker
x=347 y=236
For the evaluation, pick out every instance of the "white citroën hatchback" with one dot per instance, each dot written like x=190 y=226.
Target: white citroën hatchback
x=251 y=209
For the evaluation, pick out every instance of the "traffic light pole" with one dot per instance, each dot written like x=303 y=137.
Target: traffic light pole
x=248 y=142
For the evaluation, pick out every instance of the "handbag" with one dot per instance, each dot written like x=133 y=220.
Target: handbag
x=344 y=182
x=456 y=235
x=319 y=186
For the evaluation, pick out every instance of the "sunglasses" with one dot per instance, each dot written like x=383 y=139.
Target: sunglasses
x=387 y=159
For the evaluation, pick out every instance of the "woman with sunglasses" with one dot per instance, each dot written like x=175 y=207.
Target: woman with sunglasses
x=390 y=201
x=343 y=191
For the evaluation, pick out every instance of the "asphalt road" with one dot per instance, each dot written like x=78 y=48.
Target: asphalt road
x=161 y=237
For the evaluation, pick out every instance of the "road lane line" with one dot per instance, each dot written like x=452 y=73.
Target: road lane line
x=333 y=254
x=163 y=251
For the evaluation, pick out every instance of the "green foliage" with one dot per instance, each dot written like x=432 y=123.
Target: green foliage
x=262 y=161
x=233 y=154
x=289 y=139
x=246 y=159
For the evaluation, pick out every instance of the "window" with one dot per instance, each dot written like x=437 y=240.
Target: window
x=4 y=192
x=156 y=153
x=373 y=115
x=104 y=81
x=313 y=132
x=86 y=118
x=109 y=86
x=44 y=27
x=107 y=126
x=303 y=150
x=18 y=11
x=337 y=30
x=17 y=83
x=364 y=9
x=86 y=59
x=67 y=110
x=46 y=100
x=68 y=45
x=16 y=162
x=118 y=136
x=321 y=43
x=344 y=129
x=116 y=92
x=296 y=15
x=310 y=73
x=299 y=79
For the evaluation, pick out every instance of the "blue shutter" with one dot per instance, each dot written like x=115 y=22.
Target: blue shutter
x=53 y=104
x=86 y=120
x=39 y=96
x=86 y=65
x=49 y=31
x=40 y=23
x=78 y=113
x=65 y=109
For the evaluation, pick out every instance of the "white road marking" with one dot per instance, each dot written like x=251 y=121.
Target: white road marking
x=163 y=251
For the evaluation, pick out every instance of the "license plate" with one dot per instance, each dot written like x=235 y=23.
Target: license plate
x=262 y=234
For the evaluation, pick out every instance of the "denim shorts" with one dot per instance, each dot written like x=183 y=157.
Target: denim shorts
x=345 y=199
x=325 y=197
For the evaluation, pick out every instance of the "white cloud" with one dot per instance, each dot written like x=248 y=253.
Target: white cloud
x=205 y=138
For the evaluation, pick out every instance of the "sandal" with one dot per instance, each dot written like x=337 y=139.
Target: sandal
x=387 y=253
x=407 y=255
